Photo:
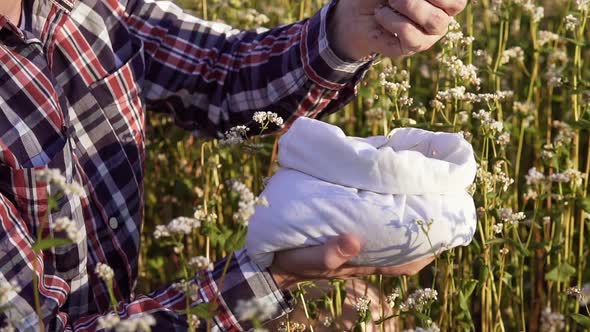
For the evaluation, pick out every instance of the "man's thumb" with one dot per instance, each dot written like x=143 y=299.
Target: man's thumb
x=318 y=260
x=340 y=250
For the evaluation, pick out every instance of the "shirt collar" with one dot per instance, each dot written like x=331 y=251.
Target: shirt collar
x=6 y=24
x=66 y=5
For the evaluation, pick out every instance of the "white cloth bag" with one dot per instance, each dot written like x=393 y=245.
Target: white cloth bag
x=384 y=189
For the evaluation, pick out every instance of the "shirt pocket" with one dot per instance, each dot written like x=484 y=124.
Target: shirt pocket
x=119 y=97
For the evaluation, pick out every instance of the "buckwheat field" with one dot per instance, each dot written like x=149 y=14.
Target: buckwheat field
x=512 y=76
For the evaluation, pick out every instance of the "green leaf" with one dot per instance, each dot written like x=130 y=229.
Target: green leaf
x=561 y=273
x=581 y=319
x=483 y=275
x=469 y=287
x=204 y=310
x=575 y=42
x=422 y=317
x=581 y=124
x=49 y=243
x=584 y=202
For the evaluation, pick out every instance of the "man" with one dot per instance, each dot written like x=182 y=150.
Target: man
x=75 y=76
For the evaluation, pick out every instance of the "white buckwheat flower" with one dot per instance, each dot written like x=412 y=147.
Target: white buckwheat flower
x=141 y=323
x=255 y=308
x=498 y=228
x=178 y=226
x=515 y=53
x=264 y=118
x=508 y=216
x=362 y=304
x=108 y=322
x=419 y=299
x=551 y=321
x=582 y=5
x=503 y=139
x=391 y=298
x=523 y=107
x=104 y=272
x=534 y=177
x=54 y=177
x=546 y=37
x=247 y=203
x=69 y=226
x=201 y=263
x=6 y=288
x=571 y=22
x=235 y=135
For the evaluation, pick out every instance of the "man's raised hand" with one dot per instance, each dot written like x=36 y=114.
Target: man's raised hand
x=393 y=28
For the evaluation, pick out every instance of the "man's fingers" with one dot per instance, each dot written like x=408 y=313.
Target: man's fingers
x=433 y=20
x=386 y=43
x=409 y=269
x=325 y=258
x=451 y=7
x=398 y=28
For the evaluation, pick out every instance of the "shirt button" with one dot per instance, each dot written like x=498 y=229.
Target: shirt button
x=113 y=223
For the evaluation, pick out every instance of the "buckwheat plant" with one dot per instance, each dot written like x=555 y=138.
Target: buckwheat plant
x=512 y=76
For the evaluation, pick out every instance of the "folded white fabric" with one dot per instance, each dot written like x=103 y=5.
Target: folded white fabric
x=404 y=194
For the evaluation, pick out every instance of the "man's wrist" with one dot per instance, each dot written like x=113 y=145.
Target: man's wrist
x=338 y=40
x=283 y=280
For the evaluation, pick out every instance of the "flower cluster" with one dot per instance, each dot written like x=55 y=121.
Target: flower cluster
x=104 y=272
x=6 y=288
x=203 y=216
x=536 y=12
x=571 y=175
x=255 y=309
x=487 y=122
x=455 y=36
x=141 y=323
x=551 y=321
x=534 y=177
x=582 y=5
x=394 y=81
x=235 y=135
x=190 y=288
x=515 y=53
x=69 y=226
x=362 y=304
x=506 y=215
x=252 y=16
x=292 y=327
x=391 y=298
x=201 y=263
x=266 y=118
x=247 y=202
x=178 y=226
x=419 y=299
x=571 y=22
x=546 y=37
x=466 y=73
x=55 y=177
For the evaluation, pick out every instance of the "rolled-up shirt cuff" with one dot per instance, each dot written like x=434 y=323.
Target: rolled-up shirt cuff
x=244 y=281
x=320 y=63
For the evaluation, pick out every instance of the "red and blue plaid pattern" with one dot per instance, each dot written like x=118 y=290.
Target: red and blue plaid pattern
x=75 y=78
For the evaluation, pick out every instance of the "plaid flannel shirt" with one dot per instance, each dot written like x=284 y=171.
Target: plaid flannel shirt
x=75 y=78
